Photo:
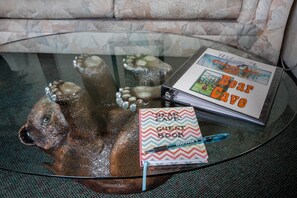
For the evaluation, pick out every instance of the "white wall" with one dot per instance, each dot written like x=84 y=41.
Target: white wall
x=289 y=50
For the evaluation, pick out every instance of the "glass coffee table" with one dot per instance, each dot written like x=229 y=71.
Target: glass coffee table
x=29 y=65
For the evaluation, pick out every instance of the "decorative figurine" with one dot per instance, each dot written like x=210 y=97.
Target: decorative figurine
x=148 y=70
x=86 y=133
x=150 y=73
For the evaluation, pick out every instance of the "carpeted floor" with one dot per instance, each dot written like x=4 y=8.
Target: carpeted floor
x=269 y=171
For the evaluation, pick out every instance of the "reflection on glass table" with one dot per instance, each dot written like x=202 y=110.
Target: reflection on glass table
x=76 y=128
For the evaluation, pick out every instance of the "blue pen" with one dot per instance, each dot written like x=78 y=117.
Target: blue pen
x=206 y=139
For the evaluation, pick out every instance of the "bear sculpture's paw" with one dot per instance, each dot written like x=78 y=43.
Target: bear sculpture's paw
x=126 y=100
x=88 y=64
x=60 y=91
x=136 y=97
x=148 y=70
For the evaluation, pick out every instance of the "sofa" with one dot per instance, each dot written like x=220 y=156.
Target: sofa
x=289 y=46
x=254 y=25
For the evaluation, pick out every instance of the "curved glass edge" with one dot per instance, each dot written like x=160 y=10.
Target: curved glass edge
x=39 y=36
x=202 y=42
x=292 y=80
x=166 y=173
x=174 y=171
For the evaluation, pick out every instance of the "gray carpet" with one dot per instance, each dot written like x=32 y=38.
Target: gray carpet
x=269 y=171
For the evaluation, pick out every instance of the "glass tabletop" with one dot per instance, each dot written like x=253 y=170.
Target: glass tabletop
x=29 y=65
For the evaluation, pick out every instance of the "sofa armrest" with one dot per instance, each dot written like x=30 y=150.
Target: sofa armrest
x=289 y=48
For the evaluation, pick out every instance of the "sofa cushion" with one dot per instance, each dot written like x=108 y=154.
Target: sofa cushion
x=178 y=9
x=56 y=9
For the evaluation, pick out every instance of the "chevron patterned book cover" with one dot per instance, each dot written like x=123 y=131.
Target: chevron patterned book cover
x=170 y=136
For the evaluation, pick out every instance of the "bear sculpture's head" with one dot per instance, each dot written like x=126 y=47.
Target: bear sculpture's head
x=46 y=125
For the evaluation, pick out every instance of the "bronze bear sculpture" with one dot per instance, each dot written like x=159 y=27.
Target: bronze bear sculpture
x=86 y=133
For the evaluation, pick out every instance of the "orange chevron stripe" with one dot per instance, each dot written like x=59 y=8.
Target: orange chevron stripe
x=169 y=157
x=189 y=131
x=145 y=112
x=176 y=152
